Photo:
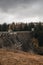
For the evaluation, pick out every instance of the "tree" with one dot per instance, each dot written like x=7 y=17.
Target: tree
x=0 y=27
x=13 y=26
x=4 y=27
x=38 y=33
x=38 y=27
x=26 y=27
x=30 y=26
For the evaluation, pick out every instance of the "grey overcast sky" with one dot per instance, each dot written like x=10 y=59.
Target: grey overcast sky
x=21 y=11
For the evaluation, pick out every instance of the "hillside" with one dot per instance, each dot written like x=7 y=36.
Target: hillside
x=19 y=58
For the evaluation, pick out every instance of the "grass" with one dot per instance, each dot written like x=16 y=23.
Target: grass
x=8 y=57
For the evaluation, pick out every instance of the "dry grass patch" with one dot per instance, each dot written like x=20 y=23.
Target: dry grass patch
x=19 y=58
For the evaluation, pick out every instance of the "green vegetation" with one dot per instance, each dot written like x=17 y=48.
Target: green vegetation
x=21 y=27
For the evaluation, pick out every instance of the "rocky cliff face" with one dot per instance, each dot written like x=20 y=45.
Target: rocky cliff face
x=19 y=41
x=15 y=40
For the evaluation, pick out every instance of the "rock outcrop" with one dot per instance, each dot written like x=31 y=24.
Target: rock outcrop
x=20 y=41
x=15 y=40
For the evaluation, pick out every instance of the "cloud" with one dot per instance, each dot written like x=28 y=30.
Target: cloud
x=21 y=10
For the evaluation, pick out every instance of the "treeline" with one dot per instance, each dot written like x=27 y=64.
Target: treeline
x=21 y=27
x=16 y=27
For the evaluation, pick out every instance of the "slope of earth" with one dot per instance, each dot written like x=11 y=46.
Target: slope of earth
x=19 y=58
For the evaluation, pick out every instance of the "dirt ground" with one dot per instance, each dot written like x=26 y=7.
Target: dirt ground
x=19 y=58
